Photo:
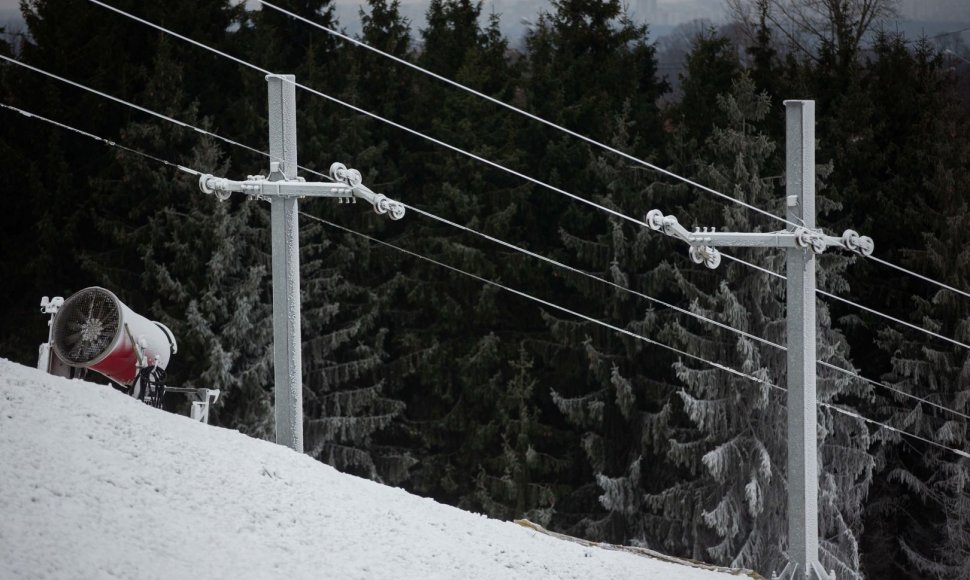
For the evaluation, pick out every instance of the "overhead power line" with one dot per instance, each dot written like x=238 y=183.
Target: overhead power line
x=712 y=364
x=839 y=369
x=624 y=331
x=156 y=114
x=101 y=139
x=485 y=236
x=404 y=128
x=532 y=116
x=134 y=106
x=748 y=335
x=684 y=311
x=580 y=136
x=920 y=276
x=894 y=319
x=374 y=116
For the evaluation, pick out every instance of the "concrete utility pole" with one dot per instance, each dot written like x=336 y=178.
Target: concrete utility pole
x=282 y=187
x=801 y=243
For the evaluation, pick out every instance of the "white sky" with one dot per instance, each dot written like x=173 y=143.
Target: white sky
x=958 y=10
x=12 y=4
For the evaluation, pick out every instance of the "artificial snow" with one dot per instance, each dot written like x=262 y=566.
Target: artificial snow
x=94 y=484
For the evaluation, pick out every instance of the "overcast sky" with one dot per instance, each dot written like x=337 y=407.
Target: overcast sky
x=944 y=9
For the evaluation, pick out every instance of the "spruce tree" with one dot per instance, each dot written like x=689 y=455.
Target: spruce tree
x=919 y=511
x=197 y=265
x=734 y=453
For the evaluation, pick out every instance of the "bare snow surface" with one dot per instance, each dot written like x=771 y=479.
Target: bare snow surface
x=96 y=485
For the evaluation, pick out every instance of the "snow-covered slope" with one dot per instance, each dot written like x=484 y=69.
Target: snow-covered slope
x=96 y=485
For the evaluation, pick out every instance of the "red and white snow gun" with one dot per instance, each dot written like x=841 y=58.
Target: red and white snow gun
x=94 y=330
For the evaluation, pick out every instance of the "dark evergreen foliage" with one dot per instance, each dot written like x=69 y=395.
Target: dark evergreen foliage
x=423 y=378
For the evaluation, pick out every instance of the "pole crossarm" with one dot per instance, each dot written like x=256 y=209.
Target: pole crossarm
x=703 y=243
x=382 y=204
x=346 y=186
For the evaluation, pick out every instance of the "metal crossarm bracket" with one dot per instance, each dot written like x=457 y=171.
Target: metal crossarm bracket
x=703 y=243
x=258 y=186
x=382 y=204
x=347 y=186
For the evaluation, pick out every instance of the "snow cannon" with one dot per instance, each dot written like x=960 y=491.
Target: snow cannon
x=94 y=330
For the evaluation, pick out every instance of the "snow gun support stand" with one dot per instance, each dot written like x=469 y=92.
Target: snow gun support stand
x=201 y=400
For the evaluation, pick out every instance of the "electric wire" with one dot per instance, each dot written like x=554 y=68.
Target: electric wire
x=415 y=209
x=461 y=227
x=578 y=135
x=374 y=116
x=101 y=139
x=182 y=124
x=479 y=278
x=826 y=294
x=876 y=383
x=920 y=276
x=586 y=274
x=527 y=114
x=434 y=140
x=320 y=174
x=894 y=319
x=759 y=339
x=634 y=335
x=130 y=104
x=504 y=243
x=684 y=311
x=838 y=409
x=558 y=264
x=552 y=305
x=715 y=365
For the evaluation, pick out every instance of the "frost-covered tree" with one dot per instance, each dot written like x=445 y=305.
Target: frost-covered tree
x=921 y=509
x=929 y=512
x=613 y=389
x=519 y=478
x=195 y=264
x=733 y=450
x=343 y=352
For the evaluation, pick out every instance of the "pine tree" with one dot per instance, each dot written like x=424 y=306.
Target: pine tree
x=197 y=265
x=735 y=449
x=517 y=476
x=612 y=389
x=449 y=338
x=929 y=513
x=919 y=513
x=600 y=384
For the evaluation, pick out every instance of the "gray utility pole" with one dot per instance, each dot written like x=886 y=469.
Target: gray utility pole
x=801 y=243
x=282 y=187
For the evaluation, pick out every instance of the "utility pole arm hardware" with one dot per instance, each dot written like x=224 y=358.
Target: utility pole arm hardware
x=347 y=187
x=703 y=242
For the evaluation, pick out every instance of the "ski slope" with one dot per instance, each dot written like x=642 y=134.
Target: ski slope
x=94 y=484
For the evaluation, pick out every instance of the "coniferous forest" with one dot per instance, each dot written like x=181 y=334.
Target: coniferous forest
x=421 y=377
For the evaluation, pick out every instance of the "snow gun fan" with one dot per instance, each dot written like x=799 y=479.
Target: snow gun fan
x=94 y=330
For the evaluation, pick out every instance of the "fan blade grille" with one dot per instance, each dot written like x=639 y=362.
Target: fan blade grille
x=86 y=326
